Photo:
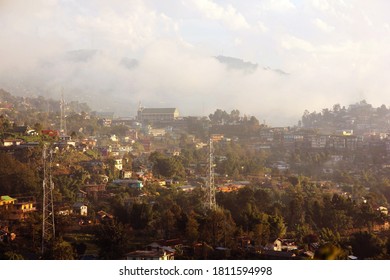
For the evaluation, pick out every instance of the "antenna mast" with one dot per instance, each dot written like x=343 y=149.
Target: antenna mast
x=62 y=120
x=48 y=228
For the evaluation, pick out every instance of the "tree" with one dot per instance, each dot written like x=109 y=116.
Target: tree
x=262 y=231
x=329 y=251
x=192 y=227
x=141 y=215
x=277 y=227
x=17 y=177
x=218 y=227
x=366 y=245
x=168 y=167
x=60 y=250
x=113 y=239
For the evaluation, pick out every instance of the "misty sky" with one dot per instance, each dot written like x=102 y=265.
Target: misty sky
x=161 y=53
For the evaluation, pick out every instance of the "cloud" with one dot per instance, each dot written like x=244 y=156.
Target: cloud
x=291 y=42
x=337 y=9
x=228 y=15
x=115 y=54
x=322 y=25
x=277 y=5
x=261 y=26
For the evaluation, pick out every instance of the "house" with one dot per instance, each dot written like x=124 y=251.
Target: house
x=63 y=209
x=129 y=182
x=274 y=246
x=105 y=118
x=80 y=208
x=118 y=163
x=281 y=165
x=126 y=174
x=150 y=255
x=154 y=251
x=17 y=209
x=50 y=133
x=319 y=141
x=6 y=201
x=95 y=192
x=216 y=137
x=11 y=142
x=88 y=143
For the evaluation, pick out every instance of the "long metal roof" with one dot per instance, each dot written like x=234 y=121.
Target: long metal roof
x=159 y=110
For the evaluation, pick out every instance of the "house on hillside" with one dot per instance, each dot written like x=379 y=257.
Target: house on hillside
x=96 y=191
x=274 y=246
x=80 y=208
x=6 y=201
x=11 y=142
x=16 y=209
x=154 y=251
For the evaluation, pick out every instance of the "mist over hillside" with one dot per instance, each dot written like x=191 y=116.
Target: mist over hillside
x=197 y=56
x=110 y=82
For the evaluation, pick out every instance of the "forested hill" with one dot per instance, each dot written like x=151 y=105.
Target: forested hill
x=359 y=117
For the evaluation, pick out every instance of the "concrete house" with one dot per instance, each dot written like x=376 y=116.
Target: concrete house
x=80 y=208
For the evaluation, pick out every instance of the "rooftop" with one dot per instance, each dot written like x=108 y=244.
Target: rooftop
x=6 y=198
x=159 y=110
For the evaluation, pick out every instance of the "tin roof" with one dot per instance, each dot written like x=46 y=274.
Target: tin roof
x=6 y=198
x=159 y=110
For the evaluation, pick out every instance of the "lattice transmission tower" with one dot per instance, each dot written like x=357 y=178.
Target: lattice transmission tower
x=63 y=116
x=210 y=202
x=48 y=227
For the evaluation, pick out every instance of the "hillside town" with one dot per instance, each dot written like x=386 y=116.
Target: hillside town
x=159 y=185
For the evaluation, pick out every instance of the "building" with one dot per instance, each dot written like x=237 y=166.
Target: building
x=16 y=209
x=154 y=251
x=150 y=255
x=11 y=142
x=6 y=200
x=157 y=114
x=80 y=208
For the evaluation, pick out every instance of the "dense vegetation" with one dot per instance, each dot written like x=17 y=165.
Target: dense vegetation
x=337 y=212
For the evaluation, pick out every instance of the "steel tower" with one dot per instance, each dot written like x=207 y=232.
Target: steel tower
x=210 y=202
x=48 y=227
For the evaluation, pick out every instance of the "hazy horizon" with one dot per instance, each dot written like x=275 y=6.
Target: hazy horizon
x=116 y=54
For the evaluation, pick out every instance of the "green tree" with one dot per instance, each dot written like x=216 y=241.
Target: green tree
x=366 y=245
x=218 y=227
x=17 y=177
x=167 y=167
x=113 y=239
x=330 y=251
x=192 y=227
x=59 y=249
x=278 y=228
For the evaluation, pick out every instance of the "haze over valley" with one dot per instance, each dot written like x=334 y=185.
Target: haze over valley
x=270 y=59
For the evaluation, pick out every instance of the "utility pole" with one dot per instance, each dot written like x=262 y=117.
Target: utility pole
x=48 y=227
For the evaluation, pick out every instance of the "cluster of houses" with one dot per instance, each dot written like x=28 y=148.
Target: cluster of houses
x=16 y=209
x=278 y=249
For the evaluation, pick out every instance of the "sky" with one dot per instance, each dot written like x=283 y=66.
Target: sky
x=334 y=51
